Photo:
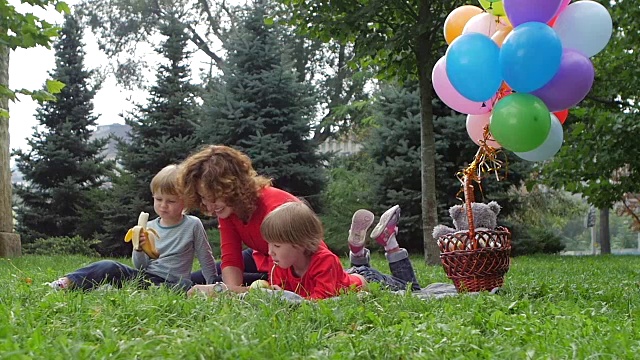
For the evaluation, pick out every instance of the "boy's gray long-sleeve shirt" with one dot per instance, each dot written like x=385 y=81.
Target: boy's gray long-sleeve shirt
x=178 y=245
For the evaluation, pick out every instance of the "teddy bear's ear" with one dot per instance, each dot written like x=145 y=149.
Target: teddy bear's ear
x=455 y=211
x=494 y=207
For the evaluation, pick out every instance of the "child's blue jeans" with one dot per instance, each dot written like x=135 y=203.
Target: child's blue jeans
x=250 y=274
x=402 y=273
x=114 y=273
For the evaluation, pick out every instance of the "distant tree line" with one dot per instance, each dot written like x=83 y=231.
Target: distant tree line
x=277 y=95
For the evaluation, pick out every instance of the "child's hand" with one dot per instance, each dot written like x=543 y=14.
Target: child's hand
x=143 y=240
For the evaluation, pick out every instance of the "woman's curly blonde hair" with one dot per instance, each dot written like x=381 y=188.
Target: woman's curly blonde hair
x=222 y=173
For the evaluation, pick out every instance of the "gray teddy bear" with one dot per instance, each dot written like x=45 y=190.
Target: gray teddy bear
x=484 y=218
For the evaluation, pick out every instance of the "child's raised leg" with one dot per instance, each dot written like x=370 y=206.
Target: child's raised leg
x=360 y=223
x=385 y=234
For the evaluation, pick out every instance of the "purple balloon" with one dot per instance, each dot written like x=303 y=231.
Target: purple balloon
x=522 y=11
x=571 y=83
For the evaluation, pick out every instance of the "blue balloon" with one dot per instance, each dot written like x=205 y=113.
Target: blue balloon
x=530 y=56
x=472 y=66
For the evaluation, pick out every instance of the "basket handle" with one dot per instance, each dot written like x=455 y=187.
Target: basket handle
x=468 y=199
x=484 y=160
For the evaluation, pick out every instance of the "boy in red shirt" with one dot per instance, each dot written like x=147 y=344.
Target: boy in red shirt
x=301 y=265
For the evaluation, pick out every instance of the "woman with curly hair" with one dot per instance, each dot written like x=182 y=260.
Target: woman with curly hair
x=221 y=182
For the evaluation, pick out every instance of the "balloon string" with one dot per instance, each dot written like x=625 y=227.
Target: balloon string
x=503 y=92
x=485 y=161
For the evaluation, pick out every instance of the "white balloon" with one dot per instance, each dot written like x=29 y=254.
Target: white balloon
x=484 y=23
x=585 y=26
x=549 y=147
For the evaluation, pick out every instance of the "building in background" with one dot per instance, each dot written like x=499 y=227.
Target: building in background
x=340 y=147
x=114 y=130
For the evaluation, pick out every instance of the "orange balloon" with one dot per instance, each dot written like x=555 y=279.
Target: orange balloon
x=505 y=90
x=457 y=19
x=500 y=35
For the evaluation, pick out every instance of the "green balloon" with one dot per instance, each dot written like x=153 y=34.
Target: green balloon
x=520 y=122
x=493 y=7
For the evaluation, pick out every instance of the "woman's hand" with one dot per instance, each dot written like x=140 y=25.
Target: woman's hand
x=238 y=289
x=207 y=290
x=212 y=290
x=232 y=277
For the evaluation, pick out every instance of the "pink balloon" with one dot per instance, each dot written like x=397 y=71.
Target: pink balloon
x=475 y=129
x=450 y=96
x=484 y=23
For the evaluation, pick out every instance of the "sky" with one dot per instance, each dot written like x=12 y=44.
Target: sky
x=29 y=68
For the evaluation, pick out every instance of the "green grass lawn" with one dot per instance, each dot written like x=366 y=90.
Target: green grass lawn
x=551 y=307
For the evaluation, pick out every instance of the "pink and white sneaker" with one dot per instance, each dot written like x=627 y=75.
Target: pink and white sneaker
x=360 y=223
x=387 y=226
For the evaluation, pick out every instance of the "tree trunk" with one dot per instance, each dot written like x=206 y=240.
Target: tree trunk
x=605 y=236
x=9 y=242
x=427 y=139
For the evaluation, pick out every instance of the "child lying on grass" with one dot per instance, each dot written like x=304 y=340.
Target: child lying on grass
x=294 y=233
x=180 y=238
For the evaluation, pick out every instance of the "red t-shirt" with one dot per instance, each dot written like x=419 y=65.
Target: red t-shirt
x=234 y=233
x=324 y=278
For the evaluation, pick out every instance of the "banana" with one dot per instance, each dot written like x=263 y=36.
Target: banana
x=133 y=235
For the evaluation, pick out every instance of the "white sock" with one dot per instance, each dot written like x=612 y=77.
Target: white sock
x=392 y=243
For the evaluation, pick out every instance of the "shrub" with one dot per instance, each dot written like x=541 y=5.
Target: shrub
x=348 y=189
x=62 y=245
x=533 y=240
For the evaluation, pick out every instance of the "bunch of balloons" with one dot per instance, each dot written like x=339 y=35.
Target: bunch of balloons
x=518 y=66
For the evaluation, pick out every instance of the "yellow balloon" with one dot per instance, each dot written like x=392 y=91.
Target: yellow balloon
x=457 y=19
x=495 y=8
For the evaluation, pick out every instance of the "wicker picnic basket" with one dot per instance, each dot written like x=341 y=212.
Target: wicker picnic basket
x=475 y=260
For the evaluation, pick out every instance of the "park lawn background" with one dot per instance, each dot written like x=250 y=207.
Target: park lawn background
x=551 y=307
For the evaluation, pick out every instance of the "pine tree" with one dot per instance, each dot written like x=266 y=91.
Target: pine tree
x=394 y=147
x=64 y=168
x=162 y=133
x=258 y=107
